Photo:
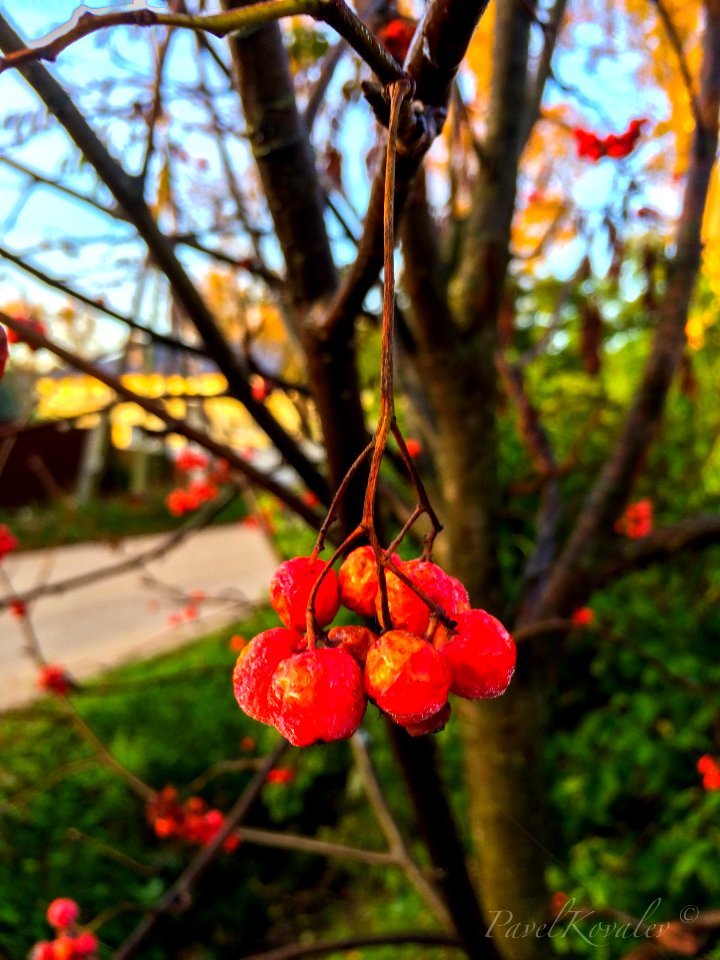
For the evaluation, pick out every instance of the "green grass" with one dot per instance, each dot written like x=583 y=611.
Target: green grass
x=71 y=827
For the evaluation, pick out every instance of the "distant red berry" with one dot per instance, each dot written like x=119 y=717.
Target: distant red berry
x=481 y=654
x=261 y=390
x=310 y=499
x=8 y=542
x=31 y=325
x=86 y=943
x=290 y=589
x=62 y=912
x=358 y=578
x=414 y=447
x=255 y=667
x=582 y=617
x=18 y=609
x=353 y=639
x=247 y=744
x=190 y=459
x=281 y=776
x=44 y=950
x=54 y=679
x=407 y=677
x=710 y=771
x=318 y=696
x=558 y=901
x=64 y=948
x=637 y=520
x=237 y=642
x=407 y=610
x=397 y=35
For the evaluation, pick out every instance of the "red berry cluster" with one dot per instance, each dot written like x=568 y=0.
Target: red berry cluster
x=317 y=690
x=710 y=771
x=202 y=483
x=637 y=521
x=34 y=325
x=69 y=943
x=54 y=679
x=589 y=145
x=8 y=542
x=192 y=820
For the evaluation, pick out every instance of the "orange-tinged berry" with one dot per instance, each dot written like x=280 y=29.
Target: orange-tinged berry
x=358 y=578
x=353 y=639
x=255 y=666
x=407 y=610
x=318 y=695
x=407 y=677
x=290 y=590
x=481 y=654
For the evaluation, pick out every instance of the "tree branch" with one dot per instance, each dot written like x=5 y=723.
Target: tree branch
x=317 y=949
x=176 y=426
x=127 y=191
x=574 y=568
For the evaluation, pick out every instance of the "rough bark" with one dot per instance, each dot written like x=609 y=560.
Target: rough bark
x=456 y=356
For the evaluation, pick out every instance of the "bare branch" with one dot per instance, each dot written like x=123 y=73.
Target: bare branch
x=261 y=480
x=317 y=949
x=238 y=21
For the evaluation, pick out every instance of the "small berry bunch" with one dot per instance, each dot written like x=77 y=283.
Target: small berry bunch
x=637 y=520
x=193 y=821
x=708 y=767
x=69 y=943
x=616 y=146
x=314 y=685
x=203 y=481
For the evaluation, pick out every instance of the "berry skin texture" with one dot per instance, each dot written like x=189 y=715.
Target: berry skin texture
x=359 y=583
x=433 y=724
x=407 y=610
x=481 y=654
x=407 y=677
x=255 y=666
x=353 y=639
x=62 y=912
x=318 y=695
x=290 y=590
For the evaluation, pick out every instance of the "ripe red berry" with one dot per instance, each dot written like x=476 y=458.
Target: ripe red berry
x=62 y=912
x=397 y=35
x=407 y=677
x=255 y=666
x=7 y=541
x=280 y=775
x=433 y=724
x=64 y=948
x=481 y=654
x=53 y=678
x=318 y=695
x=85 y=944
x=407 y=610
x=44 y=950
x=358 y=579
x=353 y=639
x=290 y=590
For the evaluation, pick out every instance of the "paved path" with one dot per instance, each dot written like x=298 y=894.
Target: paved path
x=127 y=616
